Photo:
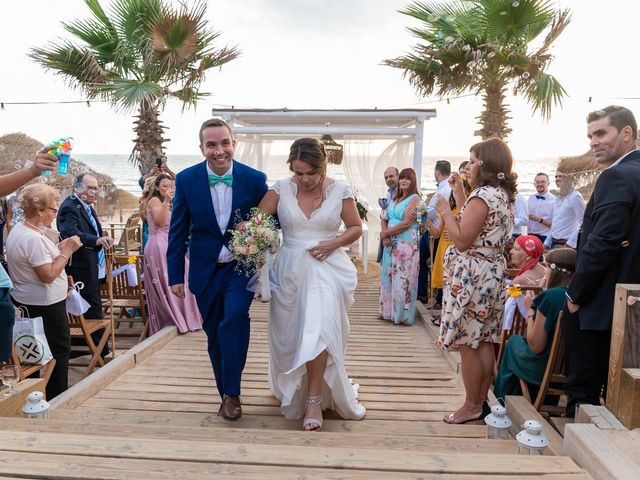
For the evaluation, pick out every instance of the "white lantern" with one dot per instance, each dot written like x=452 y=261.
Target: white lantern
x=531 y=440
x=36 y=406
x=498 y=423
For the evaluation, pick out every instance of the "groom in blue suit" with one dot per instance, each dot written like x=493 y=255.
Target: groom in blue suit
x=210 y=197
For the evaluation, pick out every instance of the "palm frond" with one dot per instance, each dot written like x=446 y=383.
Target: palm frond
x=544 y=92
x=75 y=65
x=509 y=20
x=127 y=95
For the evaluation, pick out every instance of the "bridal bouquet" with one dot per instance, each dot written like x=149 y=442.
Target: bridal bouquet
x=254 y=240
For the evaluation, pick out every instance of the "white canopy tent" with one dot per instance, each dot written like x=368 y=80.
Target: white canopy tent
x=256 y=129
x=373 y=140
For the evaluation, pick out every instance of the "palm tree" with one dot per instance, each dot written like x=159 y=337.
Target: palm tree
x=484 y=47
x=136 y=57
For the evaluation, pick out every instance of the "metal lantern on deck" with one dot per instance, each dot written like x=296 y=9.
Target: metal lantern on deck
x=36 y=406
x=497 y=423
x=531 y=440
x=334 y=150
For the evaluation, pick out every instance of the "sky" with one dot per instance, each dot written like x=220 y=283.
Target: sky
x=322 y=54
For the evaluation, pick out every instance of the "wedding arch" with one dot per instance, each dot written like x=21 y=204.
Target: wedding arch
x=373 y=140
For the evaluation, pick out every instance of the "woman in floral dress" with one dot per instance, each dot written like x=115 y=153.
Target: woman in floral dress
x=475 y=272
x=400 y=260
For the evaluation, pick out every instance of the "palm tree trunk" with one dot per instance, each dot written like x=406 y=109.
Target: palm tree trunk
x=149 y=138
x=495 y=116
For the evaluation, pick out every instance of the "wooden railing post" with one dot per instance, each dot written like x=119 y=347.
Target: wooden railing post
x=625 y=354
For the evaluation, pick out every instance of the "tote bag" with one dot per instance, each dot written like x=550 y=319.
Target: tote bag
x=29 y=339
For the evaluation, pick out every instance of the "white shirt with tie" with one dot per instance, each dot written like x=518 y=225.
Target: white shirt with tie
x=541 y=206
x=102 y=271
x=222 y=197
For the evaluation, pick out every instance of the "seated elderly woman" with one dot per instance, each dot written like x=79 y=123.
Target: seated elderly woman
x=36 y=265
x=525 y=255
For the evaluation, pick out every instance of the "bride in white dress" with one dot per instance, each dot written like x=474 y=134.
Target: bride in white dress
x=313 y=289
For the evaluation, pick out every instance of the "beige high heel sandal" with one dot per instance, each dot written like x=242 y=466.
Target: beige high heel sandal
x=312 y=400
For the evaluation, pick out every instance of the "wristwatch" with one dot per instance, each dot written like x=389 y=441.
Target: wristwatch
x=541 y=220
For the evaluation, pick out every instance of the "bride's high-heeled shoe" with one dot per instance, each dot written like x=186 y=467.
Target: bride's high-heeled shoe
x=314 y=423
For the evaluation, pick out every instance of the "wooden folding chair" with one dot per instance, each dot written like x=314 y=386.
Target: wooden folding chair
x=80 y=327
x=116 y=293
x=131 y=238
x=554 y=377
x=519 y=327
x=26 y=370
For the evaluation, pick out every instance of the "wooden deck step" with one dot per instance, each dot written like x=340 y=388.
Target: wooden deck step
x=267 y=436
x=151 y=414
x=382 y=461
x=67 y=467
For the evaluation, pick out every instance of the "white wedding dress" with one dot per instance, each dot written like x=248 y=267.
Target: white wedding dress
x=309 y=305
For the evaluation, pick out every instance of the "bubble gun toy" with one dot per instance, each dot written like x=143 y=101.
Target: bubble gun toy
x=61 y=149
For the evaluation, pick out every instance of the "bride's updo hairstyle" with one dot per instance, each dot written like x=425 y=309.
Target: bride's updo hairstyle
x=495 y=167
x=311 y=151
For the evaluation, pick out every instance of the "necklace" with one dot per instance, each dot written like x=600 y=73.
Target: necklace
x=33 y=227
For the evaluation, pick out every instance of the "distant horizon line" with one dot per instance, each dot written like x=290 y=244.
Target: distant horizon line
x=436 y=157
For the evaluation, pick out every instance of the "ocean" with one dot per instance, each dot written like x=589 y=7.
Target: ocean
x=126 y=175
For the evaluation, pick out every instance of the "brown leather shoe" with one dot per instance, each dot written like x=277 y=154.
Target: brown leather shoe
x=231 y=409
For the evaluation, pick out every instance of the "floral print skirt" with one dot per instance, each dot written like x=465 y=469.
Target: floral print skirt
x=399 y=280
x=474 y=297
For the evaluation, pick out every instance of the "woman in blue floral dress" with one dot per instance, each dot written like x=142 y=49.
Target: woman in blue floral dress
x=400 y=259
x=475 y=272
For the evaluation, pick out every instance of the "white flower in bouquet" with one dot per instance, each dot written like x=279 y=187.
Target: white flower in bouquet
x=253 y=240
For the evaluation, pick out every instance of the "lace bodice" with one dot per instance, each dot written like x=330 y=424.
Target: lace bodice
x=302 y=232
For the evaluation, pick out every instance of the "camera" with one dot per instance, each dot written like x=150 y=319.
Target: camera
x=159 y=162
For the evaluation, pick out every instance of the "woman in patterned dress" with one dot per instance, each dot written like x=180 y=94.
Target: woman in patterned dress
x=401 y=259
x=475 y=272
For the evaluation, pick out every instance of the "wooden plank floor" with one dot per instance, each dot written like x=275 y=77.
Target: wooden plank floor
x=158 y=420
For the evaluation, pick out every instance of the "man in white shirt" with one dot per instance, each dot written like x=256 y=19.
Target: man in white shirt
x=521 y=220
x=568 y=211
x=391 y=179
x=211 y=197
x=541 y=208
x=442 y=172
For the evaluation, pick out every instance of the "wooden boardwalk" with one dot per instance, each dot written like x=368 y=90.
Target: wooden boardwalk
x=151 y=413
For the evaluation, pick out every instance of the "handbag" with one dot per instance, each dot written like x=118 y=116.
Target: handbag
x=29 y=339
x=76 y=305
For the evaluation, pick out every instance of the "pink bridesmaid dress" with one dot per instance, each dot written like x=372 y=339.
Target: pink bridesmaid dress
x=164 y=307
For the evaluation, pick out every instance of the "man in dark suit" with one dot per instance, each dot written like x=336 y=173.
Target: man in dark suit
x=209 y=199
x=608 y=253
x=76 y=216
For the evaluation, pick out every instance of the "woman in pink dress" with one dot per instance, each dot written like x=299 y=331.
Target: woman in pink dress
x=164 y=307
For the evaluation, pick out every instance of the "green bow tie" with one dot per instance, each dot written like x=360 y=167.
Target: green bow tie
x=228 y=179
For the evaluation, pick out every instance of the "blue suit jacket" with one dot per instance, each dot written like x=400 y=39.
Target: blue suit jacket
x=194 y=224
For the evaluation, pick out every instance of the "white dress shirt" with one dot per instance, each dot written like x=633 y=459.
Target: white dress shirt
x=543 y=208
x=222 y=196
x=567 y=216
x=443 y=189
x=102 y=269
x=521 y=220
